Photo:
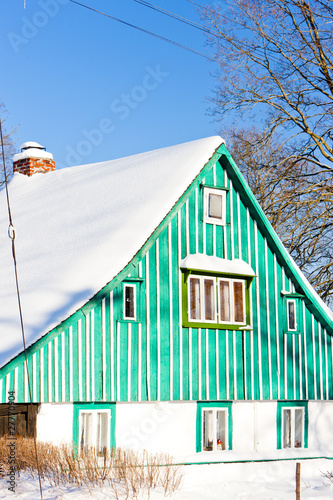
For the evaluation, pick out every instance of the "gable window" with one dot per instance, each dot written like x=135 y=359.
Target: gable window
x=202 y=301
x=292 y=425
x=129 y=301
x=214 y=206
x=231 y=300
x=216 y=292
x=94 y=429
x=291 y=315
x=291 y=312
x=214 y=426
x=220 y=301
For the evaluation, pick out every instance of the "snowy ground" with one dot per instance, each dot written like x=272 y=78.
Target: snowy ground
x=251 y=481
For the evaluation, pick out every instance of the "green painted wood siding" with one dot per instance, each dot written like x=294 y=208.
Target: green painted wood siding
x=99 y=356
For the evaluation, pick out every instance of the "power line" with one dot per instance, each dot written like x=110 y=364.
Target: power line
x=146 y=31
x=198 y=4
x=11 y=234
x=259 y=50
x=176 y=16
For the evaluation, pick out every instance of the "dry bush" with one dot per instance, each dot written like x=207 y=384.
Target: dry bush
x=124 y=472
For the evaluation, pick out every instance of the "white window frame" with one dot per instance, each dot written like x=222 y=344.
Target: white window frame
x=289 y=301
x=292 y=426
x=231 y=281
x=226 y=416
x=207 y=217
x=217 y=301
x=202 y=299
x=129 y=285
x=95 y=441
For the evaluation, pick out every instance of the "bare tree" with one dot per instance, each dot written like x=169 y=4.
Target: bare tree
x=299 y=209
x=276 y=64
x=276 y=74
x=8 y=145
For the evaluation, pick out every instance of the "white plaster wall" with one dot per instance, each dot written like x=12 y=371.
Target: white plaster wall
x=243 y=426
x=321 y=426
x=254 y=425
x=55 y=423
x=157 y=427
x=265 y=425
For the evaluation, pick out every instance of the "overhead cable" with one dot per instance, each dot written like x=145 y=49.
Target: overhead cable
x=11 y=234
x=177 y=17
x=146 y=31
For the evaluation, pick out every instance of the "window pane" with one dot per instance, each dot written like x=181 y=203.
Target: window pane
x=291 y=315
x=129 y=302
x=86 y=434
x=286 y=416
x=195 y=298
x=239 y=302
x=224 y=301
x=215 y=206
x=208 y=430
x=298 y=428
x=209 y=300
x=221 y=429
x=102 y=431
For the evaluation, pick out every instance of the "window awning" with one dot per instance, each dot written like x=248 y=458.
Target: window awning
x=201 y=262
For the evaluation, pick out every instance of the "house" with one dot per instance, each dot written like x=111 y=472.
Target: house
x=161 y=310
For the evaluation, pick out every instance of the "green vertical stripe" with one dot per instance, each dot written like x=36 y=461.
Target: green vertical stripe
x=75 y=349
x=164 y=316
x=98 y=352
x=212 y=364
x=107 y=373
x=175 y=308
x=222 y=366
x=153 y=323
x=195 y=365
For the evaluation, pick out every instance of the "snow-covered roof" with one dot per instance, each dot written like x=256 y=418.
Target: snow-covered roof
x=77 y=228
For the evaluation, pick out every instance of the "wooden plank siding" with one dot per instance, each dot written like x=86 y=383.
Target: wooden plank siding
x=99 y=356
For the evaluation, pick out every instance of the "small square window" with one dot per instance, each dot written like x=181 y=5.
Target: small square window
x=94 y=430
x=215 y=206
x=214 y=429
x=129 y=302
x=214 y=426
x=292 y=425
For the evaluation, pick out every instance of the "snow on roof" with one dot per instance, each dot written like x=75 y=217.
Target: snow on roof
x=201 y=262
x=77 y=228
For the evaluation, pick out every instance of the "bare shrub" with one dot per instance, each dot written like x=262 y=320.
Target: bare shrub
x=124 y=472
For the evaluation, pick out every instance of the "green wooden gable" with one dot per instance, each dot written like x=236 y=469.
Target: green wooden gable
x=109 y=352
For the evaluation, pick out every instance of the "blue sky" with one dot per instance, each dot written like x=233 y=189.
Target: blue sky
x=91 y=89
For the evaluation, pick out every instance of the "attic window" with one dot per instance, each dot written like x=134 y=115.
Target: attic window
x=216 y=292
x=129 y=301
x=291 y=315
x=214 y=206
x=291 y=311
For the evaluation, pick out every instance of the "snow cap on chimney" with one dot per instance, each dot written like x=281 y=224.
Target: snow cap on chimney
x=33 y=159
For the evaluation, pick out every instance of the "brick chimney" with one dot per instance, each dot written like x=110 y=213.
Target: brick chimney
x=33 y=159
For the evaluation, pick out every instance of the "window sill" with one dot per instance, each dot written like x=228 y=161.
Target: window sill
x=216 y=326
x=135 y=321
